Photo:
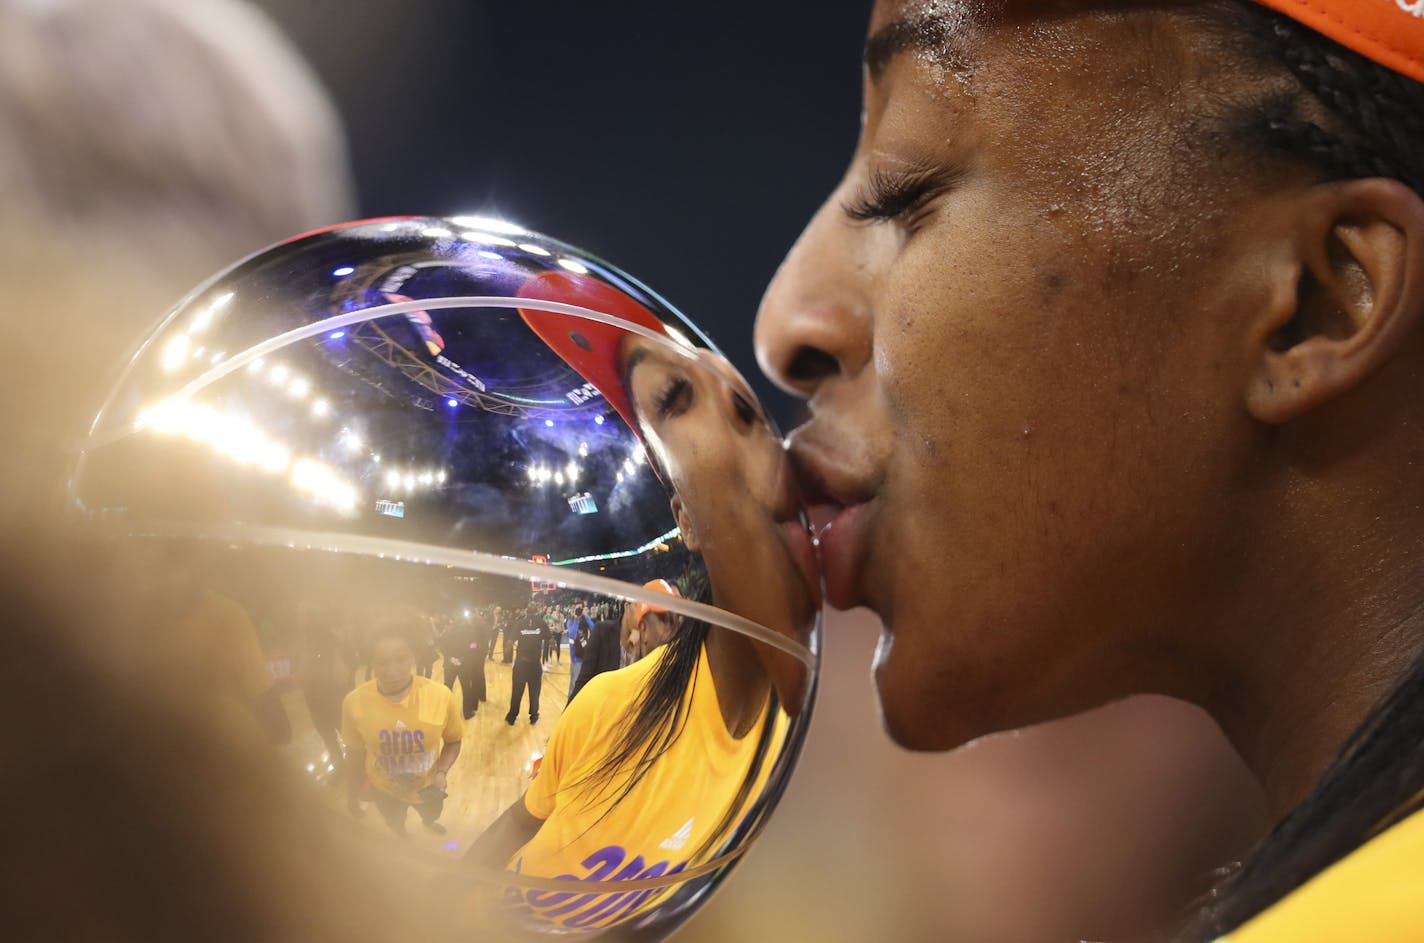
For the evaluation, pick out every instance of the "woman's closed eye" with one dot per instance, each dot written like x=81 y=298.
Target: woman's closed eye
x=746 y=412
x=898 y=196
x=674 y=398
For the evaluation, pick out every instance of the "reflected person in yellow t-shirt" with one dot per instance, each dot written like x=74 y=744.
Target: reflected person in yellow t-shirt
x=652 y=768
x=644 y=820
x=402 y=735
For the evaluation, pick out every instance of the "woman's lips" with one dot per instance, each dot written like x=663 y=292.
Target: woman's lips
x=839 y=480
x=804 y=553
x=799 y=542
x=838 y=542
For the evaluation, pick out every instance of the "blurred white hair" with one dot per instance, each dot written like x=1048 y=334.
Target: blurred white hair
x=184 y=125
x=144 y=145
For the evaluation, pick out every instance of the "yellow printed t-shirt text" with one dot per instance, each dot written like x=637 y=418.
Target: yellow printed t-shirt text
x=667 y=818
x=402 y=740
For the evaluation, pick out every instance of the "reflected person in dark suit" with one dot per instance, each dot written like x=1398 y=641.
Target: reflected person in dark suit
x=527 y=632
x=462 y=647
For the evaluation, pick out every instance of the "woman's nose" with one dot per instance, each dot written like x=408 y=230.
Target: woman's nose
x=814 y=324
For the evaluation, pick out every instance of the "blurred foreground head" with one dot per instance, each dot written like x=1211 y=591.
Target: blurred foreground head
x=187 y=129
x=144 y=795
x=143 y=144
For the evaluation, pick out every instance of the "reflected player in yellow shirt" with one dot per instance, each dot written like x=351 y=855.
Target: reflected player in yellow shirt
x=404 y=731
x=652 y=769
x=646 y=820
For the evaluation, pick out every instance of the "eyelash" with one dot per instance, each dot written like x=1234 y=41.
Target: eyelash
x=669 y=397
x=746 y=412
x=896 y=196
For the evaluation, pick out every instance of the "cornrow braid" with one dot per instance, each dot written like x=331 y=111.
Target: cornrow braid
x=1339 y=159
x=1375 y=119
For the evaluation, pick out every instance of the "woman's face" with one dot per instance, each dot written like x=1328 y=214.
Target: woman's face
x=734 y=496
x=656 y=629
x=393 y=665
x=1019 y=328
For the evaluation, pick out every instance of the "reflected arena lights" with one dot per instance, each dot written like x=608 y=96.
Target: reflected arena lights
x=179 y=351
x=412 y=479
x=570 y=473
x=321 y=482
x=541 y=474
x=204 y=318
x=293 y=384
x=247 y=445
x=485 y=238
x=175 y=352
x=180 y=348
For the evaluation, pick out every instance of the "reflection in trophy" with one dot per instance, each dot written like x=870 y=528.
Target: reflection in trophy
x=656 y=762
x=403 y=732
x=396 y=477
x=650 y=626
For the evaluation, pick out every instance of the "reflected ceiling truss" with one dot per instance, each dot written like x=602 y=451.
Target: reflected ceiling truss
x=369 y=336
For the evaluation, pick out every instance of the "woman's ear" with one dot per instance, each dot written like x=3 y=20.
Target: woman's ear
x=1352 y=295
x=684 y=524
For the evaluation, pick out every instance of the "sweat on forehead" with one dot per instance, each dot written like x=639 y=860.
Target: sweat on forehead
x=955 y=35
x=1099 y=67
x=931 y=28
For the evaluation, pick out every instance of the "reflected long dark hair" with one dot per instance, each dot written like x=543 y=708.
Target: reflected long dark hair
x=1347 y=118
x=656 y=718
x=651 y=724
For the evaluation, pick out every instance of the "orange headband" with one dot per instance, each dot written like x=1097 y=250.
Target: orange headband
x=1389 y=32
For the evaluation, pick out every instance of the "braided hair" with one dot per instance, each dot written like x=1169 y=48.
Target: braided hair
x=1374 y=116
x=653 y=721
x=1344 y=117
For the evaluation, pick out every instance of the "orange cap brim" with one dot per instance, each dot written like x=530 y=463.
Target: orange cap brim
x=1388 y=32
x=1383 y=31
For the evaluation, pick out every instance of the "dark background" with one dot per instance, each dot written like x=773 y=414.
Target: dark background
x=685 y=143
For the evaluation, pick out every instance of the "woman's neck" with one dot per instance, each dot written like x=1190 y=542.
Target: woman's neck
x=741 y=682
x=1321 y=646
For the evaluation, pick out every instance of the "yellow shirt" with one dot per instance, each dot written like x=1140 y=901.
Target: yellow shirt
x=402 y=740
x=1376 y=894
x=668 y=821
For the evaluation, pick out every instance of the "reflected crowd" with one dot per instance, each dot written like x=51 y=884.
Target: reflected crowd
x=376 y=701
x=379 y=703
x=314 y=674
